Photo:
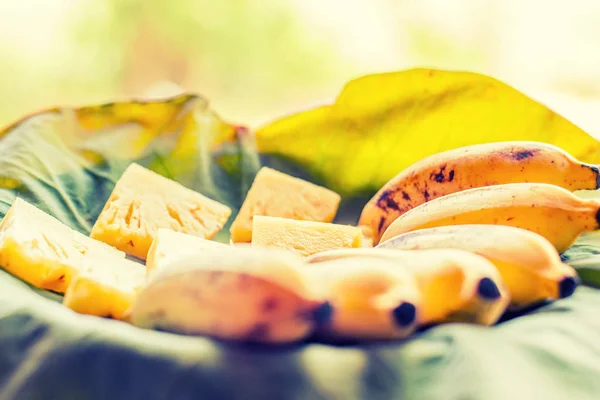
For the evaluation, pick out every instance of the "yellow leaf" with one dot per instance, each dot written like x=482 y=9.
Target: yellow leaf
x=380 y=124
x=150 y=114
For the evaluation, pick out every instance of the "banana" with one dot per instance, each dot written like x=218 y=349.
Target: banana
x=529 y=265
x=245 y=294
x=372 y=299
x=551 y=211
x=455 y=285
x=475 y=166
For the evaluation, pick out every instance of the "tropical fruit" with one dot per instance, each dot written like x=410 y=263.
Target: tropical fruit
x=455 y=285
x=106 y=286
x=235 y=293
x=169 y=246
x=529 y=265
x=548 y=210
x=371 y=298
x=41 y=250
x=143 y=201
x=276 y=194
x=303 y=237
x=471 y=167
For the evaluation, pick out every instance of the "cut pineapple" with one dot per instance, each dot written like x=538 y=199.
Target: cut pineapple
x=276 y=194
x=303 y=237
x=170 y=246
x=106 y=286
x=143 y=201
x=367 y=236
x=41 y=250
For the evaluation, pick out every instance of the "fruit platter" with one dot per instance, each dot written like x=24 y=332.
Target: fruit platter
x=428 y=234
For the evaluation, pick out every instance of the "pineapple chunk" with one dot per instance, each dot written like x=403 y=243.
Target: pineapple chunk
x=171 y=246
x=367 y=233
x=41 y=250
x=106 y=286
x=303 y=237
x=276 y=194
x=143 y=201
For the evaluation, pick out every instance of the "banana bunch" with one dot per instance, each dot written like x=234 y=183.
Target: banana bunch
x=528 y=263
x=244 y=294
x=455 y=285
x=509 y=202
x=480 y=166
x=271 y=296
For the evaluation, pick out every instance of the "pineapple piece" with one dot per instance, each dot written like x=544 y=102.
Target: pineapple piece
x=304 y=237
x=143 y=201
x=276 y=194
x=106 y=286
x=41 y=250
x=367 y=233
x=171 y=246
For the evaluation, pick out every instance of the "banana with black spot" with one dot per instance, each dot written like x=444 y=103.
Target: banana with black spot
x=471 y=167
x=548 y=210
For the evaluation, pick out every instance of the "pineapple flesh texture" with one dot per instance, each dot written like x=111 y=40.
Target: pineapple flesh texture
x=304 y=237
x=144 y=201
x=170 y=246
x=276 y=194
x=41 y=250
x=106 y=286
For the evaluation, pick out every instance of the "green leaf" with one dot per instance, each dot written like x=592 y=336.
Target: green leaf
x=584 y=256
x=380 y=124
x=66 y=162
x=50 y=352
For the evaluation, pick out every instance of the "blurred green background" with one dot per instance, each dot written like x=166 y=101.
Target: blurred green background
x=257 y=60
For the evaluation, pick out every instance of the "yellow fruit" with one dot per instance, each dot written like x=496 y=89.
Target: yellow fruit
x=367 y=236
x=551 y=211
x=471 y=167
x=234 y=293
x=303 y=237
x=371 y=298
x=455 y=285
x=169 y=246
x=41 y=250
x=105 y=286
x=276 y=194
x=529 y=265
x=143 y=201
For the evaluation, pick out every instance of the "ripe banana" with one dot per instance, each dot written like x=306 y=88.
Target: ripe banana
x=475 y=166
x=529 y=265
x=370 y=296
x=551 y=211
x=253 y=295
x=455 y=285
